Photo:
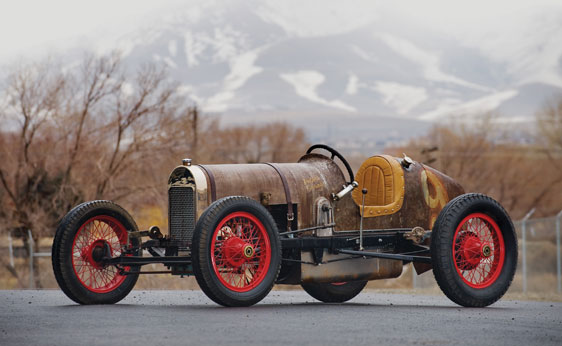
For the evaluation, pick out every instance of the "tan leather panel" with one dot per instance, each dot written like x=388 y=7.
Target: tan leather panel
x=373 y=180
x=383 y=178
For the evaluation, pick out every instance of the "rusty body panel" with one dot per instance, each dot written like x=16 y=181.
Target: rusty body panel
x=438 y=190
x=426 y=193
x=314 y=176
x=311 y=182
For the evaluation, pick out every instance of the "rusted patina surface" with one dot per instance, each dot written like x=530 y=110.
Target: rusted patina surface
x=438 y=190
x=426 y=193
x=345 y=211
x=314 y=176
x=311 y=182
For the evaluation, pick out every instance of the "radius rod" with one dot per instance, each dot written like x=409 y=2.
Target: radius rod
x=422 y=259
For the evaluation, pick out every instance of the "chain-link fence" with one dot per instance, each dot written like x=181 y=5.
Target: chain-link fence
x=539 y=263
x=538 y=269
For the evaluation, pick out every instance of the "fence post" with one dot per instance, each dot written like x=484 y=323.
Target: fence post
x=524 y=250
x=11 y=249
x=30 y=244
x=558 y=262
x=414 y=279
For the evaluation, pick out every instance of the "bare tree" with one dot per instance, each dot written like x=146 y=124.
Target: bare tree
x=75 y=136
x=549 y=129
x=274 y=142
x=34 y=97
x=96 y=81
x=97 y=132
x=549 y=137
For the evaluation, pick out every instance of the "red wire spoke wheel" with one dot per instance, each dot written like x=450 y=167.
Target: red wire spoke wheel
x=87 y=234
x=473 y=250
x=99 y=236
x=241 y=252
x=236 y=251
x=478 y=250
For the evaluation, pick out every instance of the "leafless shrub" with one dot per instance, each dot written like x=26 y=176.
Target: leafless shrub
x=96 y=132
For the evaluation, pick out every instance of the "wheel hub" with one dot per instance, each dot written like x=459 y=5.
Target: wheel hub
x=95 y=252
x=471 y=251
x=238 y=251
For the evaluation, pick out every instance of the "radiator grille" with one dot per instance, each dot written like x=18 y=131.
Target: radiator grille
x=181 y=213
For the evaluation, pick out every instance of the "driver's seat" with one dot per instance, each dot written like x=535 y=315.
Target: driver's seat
x=383 y=178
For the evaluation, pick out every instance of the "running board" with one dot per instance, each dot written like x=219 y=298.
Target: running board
x=421 y=259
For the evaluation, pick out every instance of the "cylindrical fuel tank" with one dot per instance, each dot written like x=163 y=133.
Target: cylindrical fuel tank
x=312 y=178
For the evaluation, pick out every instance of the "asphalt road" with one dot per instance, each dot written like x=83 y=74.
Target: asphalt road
x=283 y=318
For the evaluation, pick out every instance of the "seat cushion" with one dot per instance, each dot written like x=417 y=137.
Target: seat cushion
x=383 y=178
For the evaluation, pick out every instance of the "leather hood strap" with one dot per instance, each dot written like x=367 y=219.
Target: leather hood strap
x=290 y=214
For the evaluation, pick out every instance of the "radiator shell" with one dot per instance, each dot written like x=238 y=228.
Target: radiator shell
x=181 y=214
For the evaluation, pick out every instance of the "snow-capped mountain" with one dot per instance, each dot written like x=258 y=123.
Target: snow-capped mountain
x=373 y=70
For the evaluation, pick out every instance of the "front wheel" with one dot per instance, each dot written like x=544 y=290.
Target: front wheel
x=474 y=250
x=236 y=251
x=336 y=292
x=89 y=232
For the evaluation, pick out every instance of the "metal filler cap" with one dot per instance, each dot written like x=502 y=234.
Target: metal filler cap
x=186 y=162
x=407 y=161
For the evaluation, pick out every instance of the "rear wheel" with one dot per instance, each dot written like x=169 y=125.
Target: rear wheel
x=337 y=292
x=474 y=250
x=236 y=251
x=88 y=233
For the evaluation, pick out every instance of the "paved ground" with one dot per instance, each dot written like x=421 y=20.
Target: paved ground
x=283 y=318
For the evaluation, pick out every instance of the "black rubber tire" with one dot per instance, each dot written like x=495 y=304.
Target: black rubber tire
x=201 y=251
x=442 y=259
x=61 y=253
x=330 y=293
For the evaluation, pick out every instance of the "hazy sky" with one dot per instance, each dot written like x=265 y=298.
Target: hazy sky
x=28 y=27
x=522 y=39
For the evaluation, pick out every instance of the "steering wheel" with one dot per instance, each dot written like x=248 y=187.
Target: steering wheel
x=334 y=154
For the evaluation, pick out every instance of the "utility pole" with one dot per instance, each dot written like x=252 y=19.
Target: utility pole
x=558 y=262
x=195 y=131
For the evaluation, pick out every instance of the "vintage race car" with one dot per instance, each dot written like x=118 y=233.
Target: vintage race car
x=241 y=228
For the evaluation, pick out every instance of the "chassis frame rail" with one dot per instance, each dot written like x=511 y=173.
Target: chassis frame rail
x=139 y=261
x=388 y=242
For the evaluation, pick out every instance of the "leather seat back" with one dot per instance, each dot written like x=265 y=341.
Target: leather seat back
x=383 y=178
